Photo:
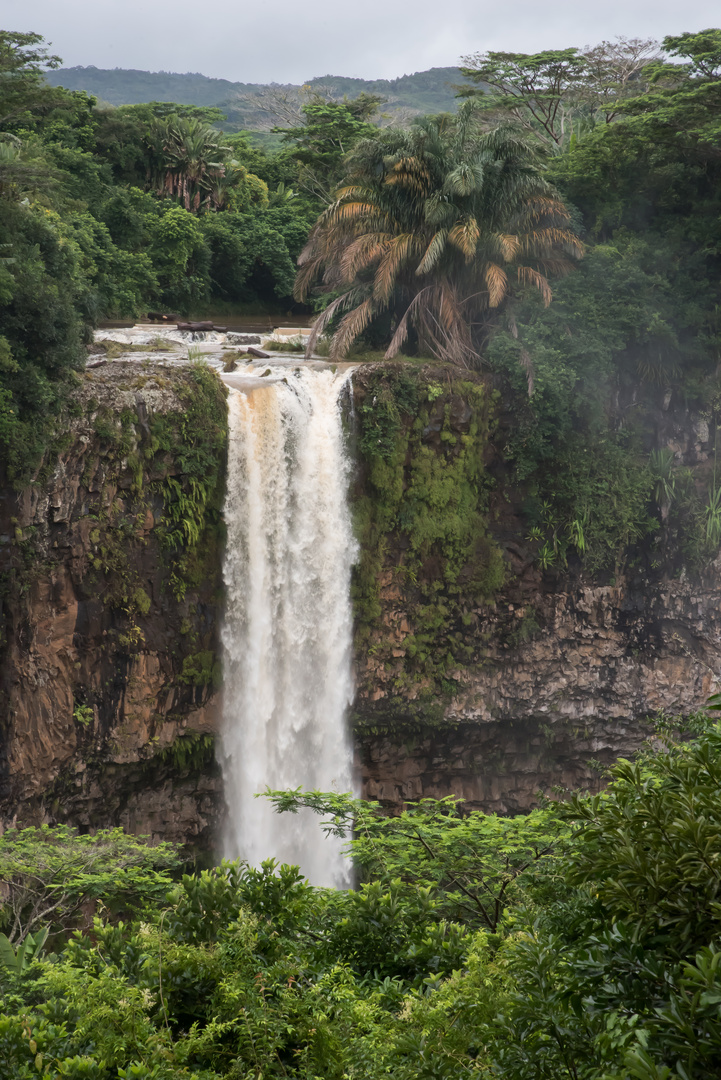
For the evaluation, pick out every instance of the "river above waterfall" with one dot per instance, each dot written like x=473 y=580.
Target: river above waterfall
x=287 y=632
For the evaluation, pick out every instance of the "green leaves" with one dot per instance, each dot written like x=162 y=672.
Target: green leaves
x=531 y=88
x=329 y=131
x=48 y=873
x=604 y=963
x=18 y=960
x=472 y=866
x=651 y=848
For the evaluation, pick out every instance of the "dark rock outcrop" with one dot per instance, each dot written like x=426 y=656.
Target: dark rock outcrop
x=107 y=660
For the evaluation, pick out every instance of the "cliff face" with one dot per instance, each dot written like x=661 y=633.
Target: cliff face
x=477 y=673
x=495 y=685
x=560 y=684
x=111 y=571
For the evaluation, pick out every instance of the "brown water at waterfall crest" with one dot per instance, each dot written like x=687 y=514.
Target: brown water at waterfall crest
x=288 y=622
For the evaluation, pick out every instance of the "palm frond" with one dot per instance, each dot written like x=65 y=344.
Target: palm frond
x=497 y=282
x=399 y=338
x=529 y=276
x=351 y=326
x=339 y=304
x=464 y=235
x=409 y=172
x=396 y=253
x=433 y=252
x=549 y=240
x=309 y=269
x=464 y=179
x=508 y=245
x=362 y=252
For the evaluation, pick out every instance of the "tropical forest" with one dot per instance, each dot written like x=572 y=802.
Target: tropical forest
x=360 y=569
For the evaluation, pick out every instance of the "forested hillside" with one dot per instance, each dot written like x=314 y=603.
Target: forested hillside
x=251 y=105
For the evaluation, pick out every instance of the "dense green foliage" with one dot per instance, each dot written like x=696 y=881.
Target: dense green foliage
x=49 y=873
x=635 y=328
x=582 y=941
x=107 y=213
x=328 y=132
x=559 y=94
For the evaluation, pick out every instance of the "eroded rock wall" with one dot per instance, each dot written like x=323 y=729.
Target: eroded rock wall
x=110 y=617
x=495 y=694
x=488 y=685
x=551 y=710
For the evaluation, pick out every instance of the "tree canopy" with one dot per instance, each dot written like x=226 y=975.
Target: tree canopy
x=603 y=960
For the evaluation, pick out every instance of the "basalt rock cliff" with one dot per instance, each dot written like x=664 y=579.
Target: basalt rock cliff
x=478 y=673
x=110 y=565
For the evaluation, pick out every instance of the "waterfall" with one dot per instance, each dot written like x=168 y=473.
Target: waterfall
x=288 y=623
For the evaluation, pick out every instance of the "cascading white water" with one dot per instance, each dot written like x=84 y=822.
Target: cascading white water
x=288 y=622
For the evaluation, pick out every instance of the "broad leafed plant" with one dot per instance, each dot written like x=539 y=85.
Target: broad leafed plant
x=432 y=230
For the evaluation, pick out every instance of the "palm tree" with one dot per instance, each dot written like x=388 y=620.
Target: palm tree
x=429 y=227
x=187 y=158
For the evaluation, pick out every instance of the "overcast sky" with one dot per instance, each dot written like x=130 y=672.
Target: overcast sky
x=276 y=40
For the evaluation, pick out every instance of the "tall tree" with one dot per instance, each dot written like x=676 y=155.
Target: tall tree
x=329 y=130
x=615 y=71
x=531 y=89
x=189 y=159
x=684 y=99
x=23 y=59
x=429 y=228
x=548 y=93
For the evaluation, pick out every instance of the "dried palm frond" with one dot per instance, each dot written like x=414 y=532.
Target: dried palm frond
x=529 y=276
x=396 y=253
x=353 y=296
x=362 y=252
x=508 y=245
x=497 y=281
x=464 y=235
x=433 y=252
x=547 y=204
x=351 y=326
x=409 y=172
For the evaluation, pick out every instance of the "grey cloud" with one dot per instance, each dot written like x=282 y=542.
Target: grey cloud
x=274 y=40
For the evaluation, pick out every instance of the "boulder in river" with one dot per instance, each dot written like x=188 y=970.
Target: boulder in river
x=243 y=339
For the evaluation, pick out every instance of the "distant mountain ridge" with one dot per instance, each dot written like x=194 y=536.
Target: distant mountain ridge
x=429 y=91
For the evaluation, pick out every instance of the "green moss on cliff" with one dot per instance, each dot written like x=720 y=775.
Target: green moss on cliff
x=175 y=459
x=421 y=517
x=191 y=525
